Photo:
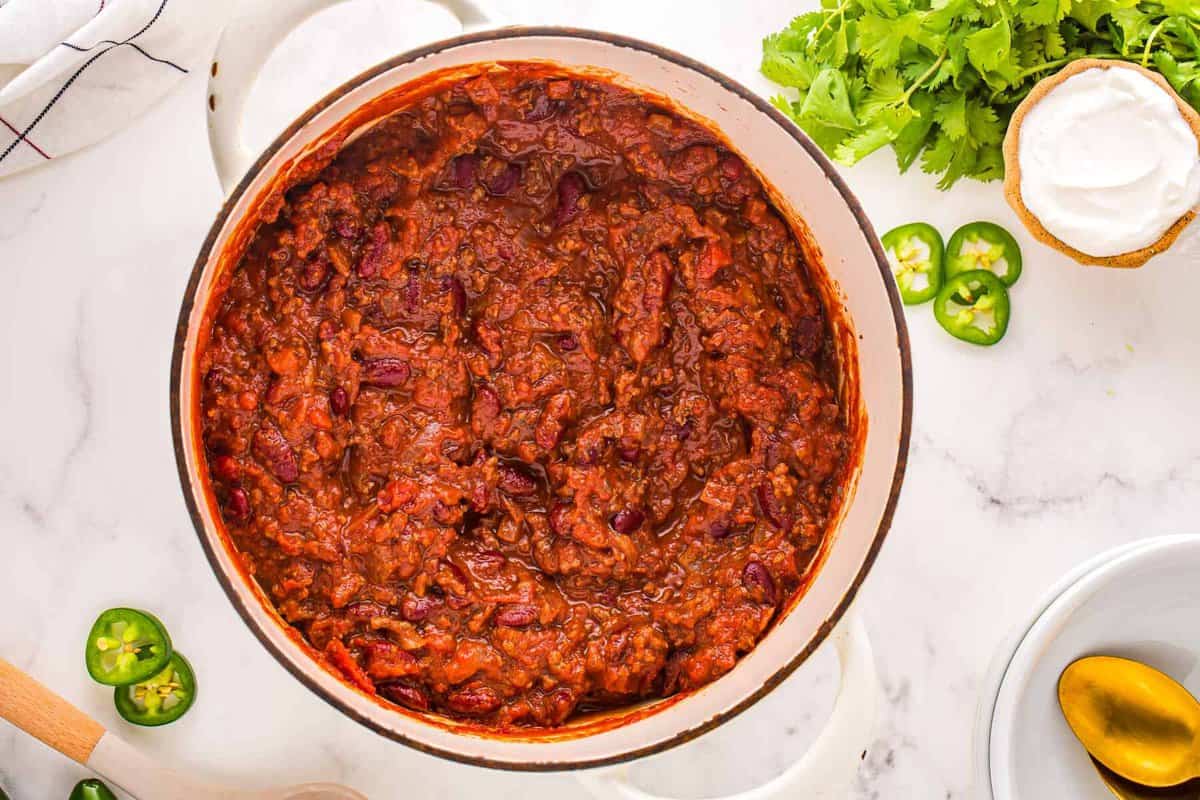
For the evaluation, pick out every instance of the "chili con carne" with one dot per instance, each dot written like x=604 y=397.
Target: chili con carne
x=525 y=403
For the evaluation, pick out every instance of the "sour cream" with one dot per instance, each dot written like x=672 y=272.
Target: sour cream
x=1108 y=162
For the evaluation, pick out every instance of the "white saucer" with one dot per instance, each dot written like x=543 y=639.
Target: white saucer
x=1140 y=600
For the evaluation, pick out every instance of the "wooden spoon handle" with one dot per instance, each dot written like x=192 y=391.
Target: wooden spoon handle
x=43 y=714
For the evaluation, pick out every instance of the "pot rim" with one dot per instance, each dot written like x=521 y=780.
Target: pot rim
x=236 y=593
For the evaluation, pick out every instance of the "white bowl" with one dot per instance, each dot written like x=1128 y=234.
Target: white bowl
x=1138 y=601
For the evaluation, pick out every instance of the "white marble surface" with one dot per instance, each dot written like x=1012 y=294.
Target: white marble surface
x=1078 y=432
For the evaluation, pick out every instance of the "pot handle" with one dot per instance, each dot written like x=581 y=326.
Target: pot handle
x=245 y=44
x=827 y=770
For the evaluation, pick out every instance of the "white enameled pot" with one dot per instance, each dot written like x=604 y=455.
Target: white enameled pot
x=872 y=340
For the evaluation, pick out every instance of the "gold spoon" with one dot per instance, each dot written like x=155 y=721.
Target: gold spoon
x=1128 y=790
x=1133 y=719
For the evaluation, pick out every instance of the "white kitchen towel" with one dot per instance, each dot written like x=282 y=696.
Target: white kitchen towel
x=75 y=71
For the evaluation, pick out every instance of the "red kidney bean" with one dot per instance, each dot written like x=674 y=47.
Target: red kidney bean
x=516 y=481
x=446 y=515
x=775 y=451
x=412 y=293
x=366 y=609
x=375 y=253
x=768 y=503
x=415 y=609
x=226 y=468
x=406 y=695
x=587 y=456
x=346 y=226
x=516 y=616
x=474 y=700
x=385 y=372
x=485 y=408
x=629 y=453
x=676 y=431
x=275 y=453
x=807 y=337
x=567 y=342
x=313 y=273
x=571 y=188
x=543 y=108
x=462 y=170
x=390 y=651
x=239 y=504
x=732 y=167
x=559 y=524
x=506 y=180
x=339 y=401
x=458 y=603
x=719 y=529
x=458 y=296
x=627 y=520
x=756 y=576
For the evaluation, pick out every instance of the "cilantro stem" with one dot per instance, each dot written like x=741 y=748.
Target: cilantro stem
x=839 y=12
x=1061 y=62
x=1150 y=41
x=925 y=76
x=1021 y=76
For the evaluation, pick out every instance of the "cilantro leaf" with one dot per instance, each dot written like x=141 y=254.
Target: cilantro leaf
x=951 y=116
x=913 y=137
x=988 y=47
x=881 y=39
x=1043 y=12
x=1184 y=8
x=854 y=148
x=828 y=101
x=788 y=67
x=1090 y=12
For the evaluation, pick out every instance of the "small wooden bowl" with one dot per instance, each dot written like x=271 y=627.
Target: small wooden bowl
x=1012 y=166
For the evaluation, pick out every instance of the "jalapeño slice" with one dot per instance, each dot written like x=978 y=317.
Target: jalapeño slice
x=91 y=789
x=915 y=253
x=984 y=245
x=126 y=646
x=164 y=698
x=973 y=306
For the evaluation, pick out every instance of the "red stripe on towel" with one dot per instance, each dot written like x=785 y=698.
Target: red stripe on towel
x=40 y=151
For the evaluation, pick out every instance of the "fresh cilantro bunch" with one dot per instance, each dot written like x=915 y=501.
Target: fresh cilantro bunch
x=938 y=79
